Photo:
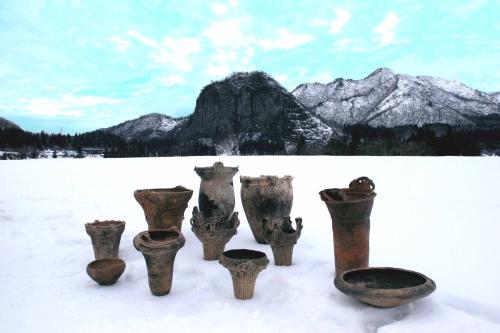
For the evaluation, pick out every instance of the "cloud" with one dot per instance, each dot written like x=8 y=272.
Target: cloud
x=228 y=33
x=285 y=41
x=342 y=44
x=218 y=69
x=385 y=30
x=219 y=9
x=342 y=17
x=66 y=105
x=144 y=40
x=171 y=80
x=121 y=44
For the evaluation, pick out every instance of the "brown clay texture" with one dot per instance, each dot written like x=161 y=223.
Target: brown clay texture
x=105 y=236
x=244 y=266
x=216 y=197
x=384 y=287
x=280 y=234
x=350 y=210
x=265 y=197
x=164 y=208
x=106 y=271
x=159 y=248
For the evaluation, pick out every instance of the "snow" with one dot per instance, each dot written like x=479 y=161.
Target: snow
x=438 y=216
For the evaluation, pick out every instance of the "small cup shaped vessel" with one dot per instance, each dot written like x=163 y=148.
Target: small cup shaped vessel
x=216 y=198
x=105 y=236
x=159 y=248
x=164 y=207
x=280 y=234
x=384 y=287
x=265 y=197
x=106 y=271
x=214 y=234
x=350 y=210
x=244 y=266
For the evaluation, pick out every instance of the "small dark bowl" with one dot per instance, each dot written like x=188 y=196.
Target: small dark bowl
x=106 y=271
x=384 y=287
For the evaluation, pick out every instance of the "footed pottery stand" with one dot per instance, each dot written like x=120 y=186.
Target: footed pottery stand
x=164 y=207
x=213 y=233
x=350 y=210
x=159 y=248
x=280 y=234
x=265 y=197
x=105 y=236
x=244 y=266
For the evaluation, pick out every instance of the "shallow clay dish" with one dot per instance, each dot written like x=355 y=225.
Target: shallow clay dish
x=384 y=287
x=106 y=271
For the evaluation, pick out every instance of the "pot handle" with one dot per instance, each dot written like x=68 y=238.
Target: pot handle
x=362 y=184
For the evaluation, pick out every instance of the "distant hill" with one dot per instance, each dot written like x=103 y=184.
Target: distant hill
x=4 y=123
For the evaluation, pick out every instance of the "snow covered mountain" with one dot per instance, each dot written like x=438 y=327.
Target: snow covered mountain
x=149 y=126
x=387 y=99
x=4 y=123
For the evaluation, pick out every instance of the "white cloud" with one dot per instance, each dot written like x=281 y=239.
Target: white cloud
x=121 y=43
x=67 y=105
x=281 y=78
x=228 y=33
x=342 y=44
x=219 y=9
x=342 y=17
x=249 y=53
x=233 y=3
x=286 y=40
x=218 y=70
x=385 y=30
x=172 y=80
x=144 y=40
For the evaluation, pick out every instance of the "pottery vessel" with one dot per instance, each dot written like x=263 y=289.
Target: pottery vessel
x=265 y=197
x=106 y=271
x=105 y=236
x=350 y=210
x=244 y=266
x=384 y=287
x=280 y=234
x=216 y=198
x=164 y=207
x=159 y=248
x=213 y=235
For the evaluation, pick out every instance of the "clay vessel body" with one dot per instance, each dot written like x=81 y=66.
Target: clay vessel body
x=159 y=248
x=244 y=266
x=350 y=210
x=105 y=236
x=268 y=197
x=106 y=271
x=384 y=287
x=164 y=207
x=280 y=234
x=216 y=198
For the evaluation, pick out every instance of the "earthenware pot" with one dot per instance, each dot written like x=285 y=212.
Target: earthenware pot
x=350 y=210
x=216 y=198
x=164 y=207
x=106 y=271
x=213 y=235
x=280 y=234
x=265 y=197
x=384 y=287
x=105 y=236
x=244 y=266
x=159 y=248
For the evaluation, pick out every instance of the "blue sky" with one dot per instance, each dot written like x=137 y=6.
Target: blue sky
x=74 y=66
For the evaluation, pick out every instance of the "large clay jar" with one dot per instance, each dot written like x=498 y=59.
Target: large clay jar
x=164 y=207
x=216 y=198
x=263 y=197
x=159 y=248
x=105 y=236
x=350 y=210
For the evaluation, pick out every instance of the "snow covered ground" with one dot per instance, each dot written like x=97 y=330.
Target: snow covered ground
x=438 y=216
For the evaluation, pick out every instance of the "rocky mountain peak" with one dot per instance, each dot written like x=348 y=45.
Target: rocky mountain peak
x=5 y=123
x=149 y=126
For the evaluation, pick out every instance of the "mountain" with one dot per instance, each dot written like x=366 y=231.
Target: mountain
x=4 y=123
x=252 y=107
x=387 y=99
x=144 y=128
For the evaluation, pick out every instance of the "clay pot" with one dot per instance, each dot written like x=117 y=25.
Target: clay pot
x=106 y=271
x=164 y=207
x=159 y=248
x=280 y=234
x=384 y=287
x=265 y=197
x=244 y=266
x=213 y=235
x=216 y=198
x=105 y=236
x=350 y=210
